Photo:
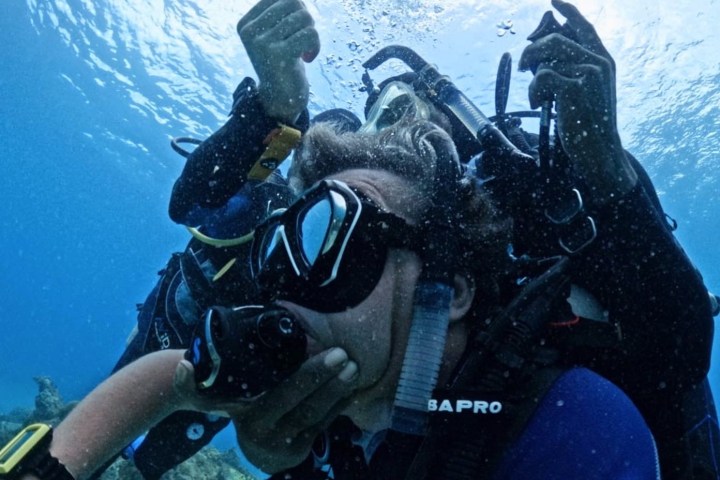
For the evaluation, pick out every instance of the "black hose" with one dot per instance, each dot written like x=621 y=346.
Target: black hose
x=175 y=144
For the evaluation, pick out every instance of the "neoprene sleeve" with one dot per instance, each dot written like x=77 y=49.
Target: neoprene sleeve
x=218 y=167
x=648 y=284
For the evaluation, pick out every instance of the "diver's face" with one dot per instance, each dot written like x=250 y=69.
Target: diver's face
x=374 y=333
x=397 y=100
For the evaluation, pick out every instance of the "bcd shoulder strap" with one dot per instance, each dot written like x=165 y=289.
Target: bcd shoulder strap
x=470 y=431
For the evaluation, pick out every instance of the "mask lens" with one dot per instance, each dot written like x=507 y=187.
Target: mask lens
x=271 y=241
x=314 y=227
x=394 y=111
x=320 y=226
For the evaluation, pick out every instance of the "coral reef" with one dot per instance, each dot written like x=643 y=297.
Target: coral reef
x=208 y=464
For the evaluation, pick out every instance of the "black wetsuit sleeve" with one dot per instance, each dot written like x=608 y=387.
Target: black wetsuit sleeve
x=651 y=288
x=218 y=167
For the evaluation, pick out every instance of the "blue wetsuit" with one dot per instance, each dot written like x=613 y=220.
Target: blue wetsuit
x=584 y=428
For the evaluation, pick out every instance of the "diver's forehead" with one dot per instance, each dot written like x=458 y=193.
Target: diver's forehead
x=387 y=190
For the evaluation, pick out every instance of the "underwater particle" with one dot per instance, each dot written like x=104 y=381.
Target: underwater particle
x=438 y=9
x=501 y=32
x=353 y=45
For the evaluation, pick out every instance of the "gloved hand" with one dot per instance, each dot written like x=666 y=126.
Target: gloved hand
x=277 y=34
x=573 y=68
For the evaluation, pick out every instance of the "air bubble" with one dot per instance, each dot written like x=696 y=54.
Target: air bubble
x=505 y=24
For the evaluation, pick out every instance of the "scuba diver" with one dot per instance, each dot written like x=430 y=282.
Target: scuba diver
x=640 y=313
x=387 y=346
x=217 y=170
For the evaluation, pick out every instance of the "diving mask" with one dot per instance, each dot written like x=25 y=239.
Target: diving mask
x=396 y=100
x=327 y=250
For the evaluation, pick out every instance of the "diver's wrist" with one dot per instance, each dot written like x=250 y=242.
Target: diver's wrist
x=28 y=455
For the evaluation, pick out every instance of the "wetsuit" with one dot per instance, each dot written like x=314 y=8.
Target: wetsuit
x=657 y=298
x=584 y=427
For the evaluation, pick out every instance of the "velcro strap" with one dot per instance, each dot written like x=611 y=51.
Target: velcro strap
x=279 y=143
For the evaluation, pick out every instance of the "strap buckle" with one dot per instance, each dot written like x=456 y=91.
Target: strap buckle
x=578 y=231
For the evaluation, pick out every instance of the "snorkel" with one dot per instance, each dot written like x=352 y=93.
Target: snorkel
x=433 y=294
x=431 y=307
x=410 y=420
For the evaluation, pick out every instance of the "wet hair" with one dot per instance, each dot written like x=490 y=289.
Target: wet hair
x=412 y=150
x=409 y=149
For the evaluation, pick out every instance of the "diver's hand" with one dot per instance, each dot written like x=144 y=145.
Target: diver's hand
x=278 y=430
x=276 y=35
x=580 y=77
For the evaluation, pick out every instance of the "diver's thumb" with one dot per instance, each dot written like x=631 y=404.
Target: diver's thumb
x=184 y=380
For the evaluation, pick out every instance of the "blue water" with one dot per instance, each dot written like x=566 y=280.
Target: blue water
x=91 y=93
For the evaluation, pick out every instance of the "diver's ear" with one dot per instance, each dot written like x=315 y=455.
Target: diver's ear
x=463 y=296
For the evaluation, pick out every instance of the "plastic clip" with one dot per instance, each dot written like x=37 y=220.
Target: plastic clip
x=279 y=143
x=581 y=238
x=566 y=210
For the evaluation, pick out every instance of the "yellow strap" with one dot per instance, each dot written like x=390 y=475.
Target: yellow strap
x=220 y=242
x=279 y=143
x=224 y=269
